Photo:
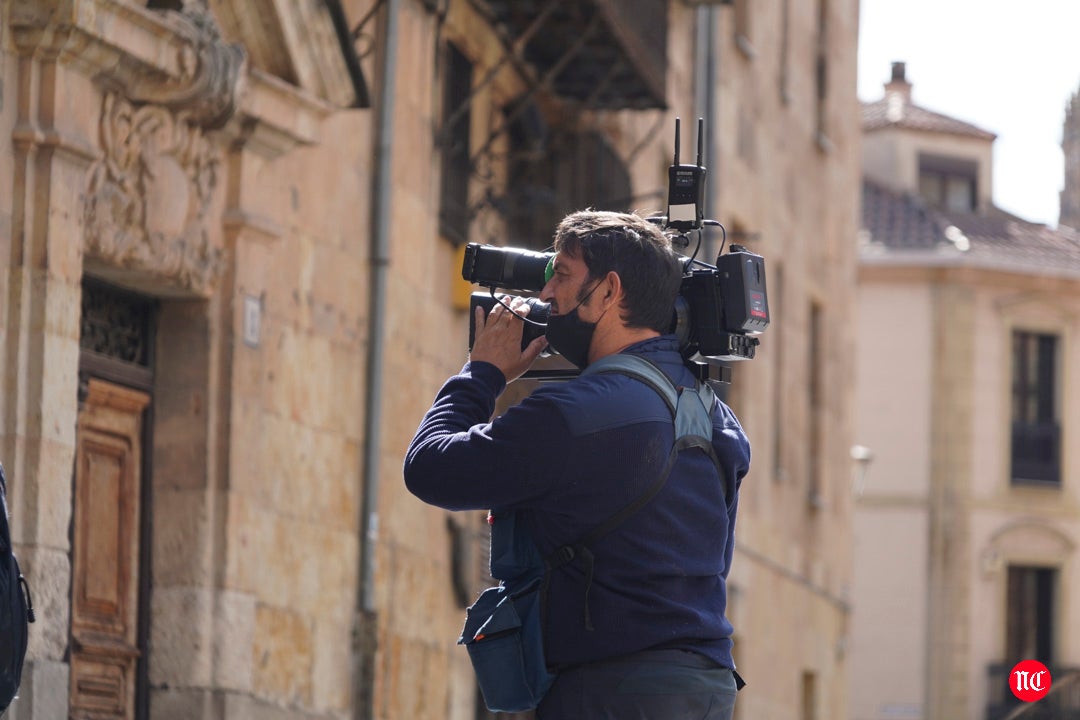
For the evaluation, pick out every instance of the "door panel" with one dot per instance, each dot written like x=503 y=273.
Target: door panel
x=105 y=553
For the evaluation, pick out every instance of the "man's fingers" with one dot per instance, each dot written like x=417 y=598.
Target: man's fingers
x=534 y=349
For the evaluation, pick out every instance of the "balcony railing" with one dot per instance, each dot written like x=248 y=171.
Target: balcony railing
x=1061 y=703
x=1036 y=452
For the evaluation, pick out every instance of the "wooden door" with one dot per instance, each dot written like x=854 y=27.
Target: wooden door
x=105 y=553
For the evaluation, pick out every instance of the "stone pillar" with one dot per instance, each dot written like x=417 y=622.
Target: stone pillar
x=41 y=349
x=949 y=586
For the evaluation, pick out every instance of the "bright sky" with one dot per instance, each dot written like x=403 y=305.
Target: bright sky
x=1003 y=66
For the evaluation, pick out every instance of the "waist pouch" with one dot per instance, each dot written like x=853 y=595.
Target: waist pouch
x=503 y=636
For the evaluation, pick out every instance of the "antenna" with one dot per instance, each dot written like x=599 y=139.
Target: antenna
x=676 y=141
x=700 y=139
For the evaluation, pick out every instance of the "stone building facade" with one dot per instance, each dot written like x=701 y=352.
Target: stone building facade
x=231 y=241
x=968 y=509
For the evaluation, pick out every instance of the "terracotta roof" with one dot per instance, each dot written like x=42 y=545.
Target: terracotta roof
x=903 y=227
x=894 y=110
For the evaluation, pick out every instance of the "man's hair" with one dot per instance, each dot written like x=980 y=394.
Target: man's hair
x=650 y=271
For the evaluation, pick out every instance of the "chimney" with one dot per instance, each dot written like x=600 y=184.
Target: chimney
x=898 y=87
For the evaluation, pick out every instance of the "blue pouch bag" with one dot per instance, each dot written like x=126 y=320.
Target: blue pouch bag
x=504 y=639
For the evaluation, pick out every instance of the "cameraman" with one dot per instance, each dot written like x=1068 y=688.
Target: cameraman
x=646 y=636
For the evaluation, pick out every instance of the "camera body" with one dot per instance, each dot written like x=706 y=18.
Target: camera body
x=718 y=311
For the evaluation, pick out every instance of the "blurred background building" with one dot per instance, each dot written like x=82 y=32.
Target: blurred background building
x=967 y=514
x=231 y=237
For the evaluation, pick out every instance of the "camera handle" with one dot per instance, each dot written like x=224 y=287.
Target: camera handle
x=499 y=299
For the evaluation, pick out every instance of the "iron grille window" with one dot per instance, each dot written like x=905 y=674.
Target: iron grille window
x=1036 y=432
x=559 y=171
x=116 y=336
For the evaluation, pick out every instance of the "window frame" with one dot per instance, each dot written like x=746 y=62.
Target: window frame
x=1035 y=387
x=944 y=171
x=455 y=143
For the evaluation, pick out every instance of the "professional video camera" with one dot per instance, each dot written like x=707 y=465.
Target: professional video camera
x=719 y=308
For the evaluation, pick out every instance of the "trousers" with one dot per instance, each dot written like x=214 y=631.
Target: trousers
x=650 y=685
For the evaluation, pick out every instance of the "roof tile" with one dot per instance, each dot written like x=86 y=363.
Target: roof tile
x=896 y=111
x=898 y=223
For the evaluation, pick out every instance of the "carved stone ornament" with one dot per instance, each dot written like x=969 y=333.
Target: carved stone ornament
x=148 y=199
x=212 y=72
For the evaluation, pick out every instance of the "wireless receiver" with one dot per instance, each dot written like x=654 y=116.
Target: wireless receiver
x=686 y=187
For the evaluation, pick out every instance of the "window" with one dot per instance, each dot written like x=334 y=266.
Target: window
x=785 y=47
x=816 y=402
x=948 y=183
x=821 y=71
x=1036 y=432
x=1029 y=621
x=575 y=169
x=454 y=142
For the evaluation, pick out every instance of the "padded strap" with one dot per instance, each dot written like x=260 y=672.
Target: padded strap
x=638 y=367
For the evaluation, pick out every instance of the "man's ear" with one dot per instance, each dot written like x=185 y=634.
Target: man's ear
x=614 y=291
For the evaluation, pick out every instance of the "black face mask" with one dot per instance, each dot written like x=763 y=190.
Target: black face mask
x=570 y=335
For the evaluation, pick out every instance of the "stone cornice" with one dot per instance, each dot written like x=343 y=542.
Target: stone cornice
x=275 y=117
x=914 y=265
x=176 y=60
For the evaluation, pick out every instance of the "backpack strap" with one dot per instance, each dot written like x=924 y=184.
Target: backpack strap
x=691 y=410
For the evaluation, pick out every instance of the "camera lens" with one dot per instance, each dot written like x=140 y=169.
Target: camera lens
x=507 y=268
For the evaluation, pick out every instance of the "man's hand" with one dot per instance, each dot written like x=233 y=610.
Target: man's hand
x=498 y=339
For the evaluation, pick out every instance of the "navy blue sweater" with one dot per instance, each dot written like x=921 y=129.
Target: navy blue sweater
x=567 y=458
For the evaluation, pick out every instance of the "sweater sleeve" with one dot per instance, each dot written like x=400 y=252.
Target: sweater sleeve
x=460 y=461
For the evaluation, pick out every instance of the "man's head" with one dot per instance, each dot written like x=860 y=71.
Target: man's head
x=636 y=250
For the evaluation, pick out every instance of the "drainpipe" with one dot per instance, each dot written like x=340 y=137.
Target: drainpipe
x=364 y=629
x=706 y=76
x=705 y=79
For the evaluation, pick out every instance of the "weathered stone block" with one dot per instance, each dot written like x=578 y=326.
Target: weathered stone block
x=332 y=676
x=43 y=514
x=181 y=627
x=49 y=573
x=283 y=656
x=233 y=638
x=43 y=694
x=181 y=536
